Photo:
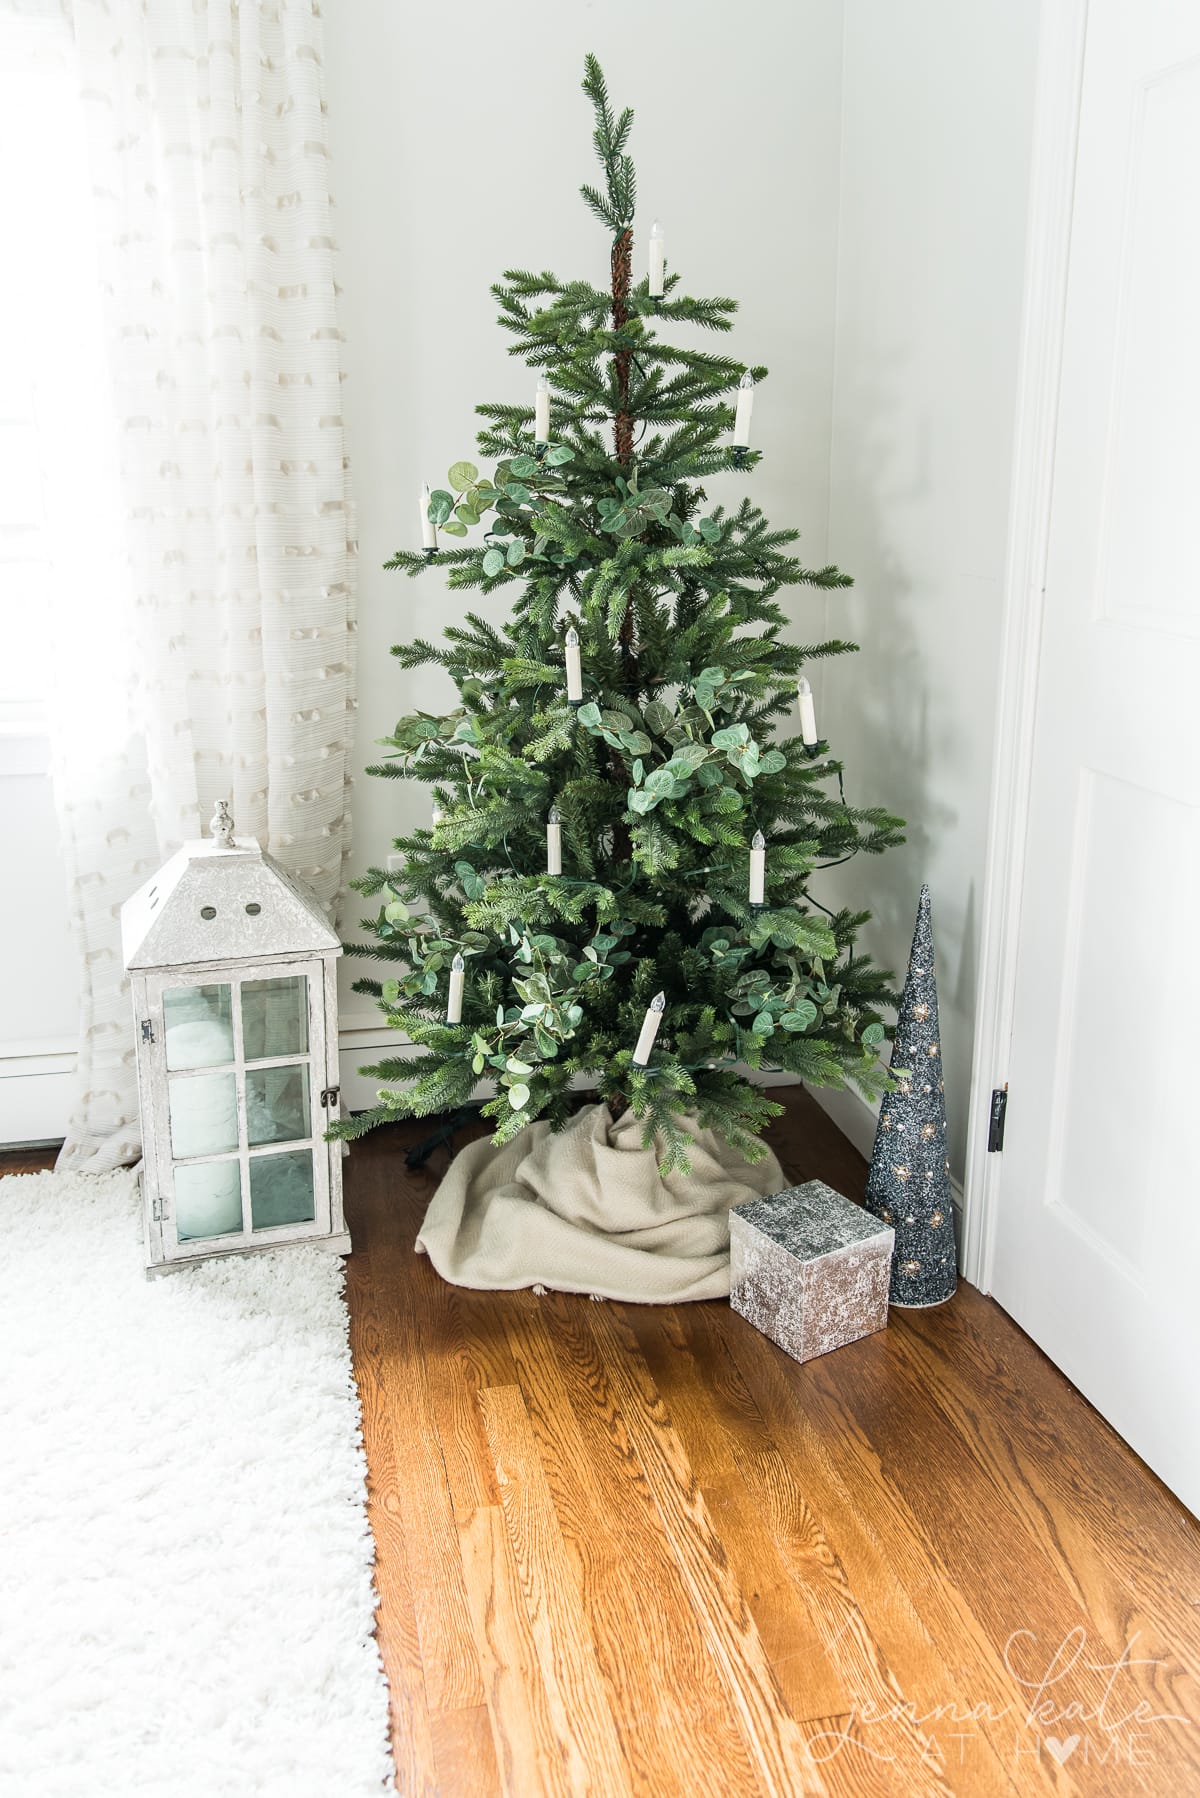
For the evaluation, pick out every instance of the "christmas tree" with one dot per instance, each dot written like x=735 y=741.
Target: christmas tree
x=618 y=838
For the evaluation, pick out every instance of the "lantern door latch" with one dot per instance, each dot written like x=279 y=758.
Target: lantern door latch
x=330 y=1095
x=147 y=1031
x=156 y=1211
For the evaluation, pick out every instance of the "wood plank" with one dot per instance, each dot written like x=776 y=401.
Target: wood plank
x=579 y=1704
x=951 y=1665
x=528 y=1750
x=444 y=1620
x=669 y=1707
x=774 y=1746
x=395 y=1622
x=464 y=1753
x=826 y=1646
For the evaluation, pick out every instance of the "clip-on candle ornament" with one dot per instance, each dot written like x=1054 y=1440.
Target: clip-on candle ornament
x=658 y=262
x=741 y=422
x=813 y=745
x=541 y=417
x=455 y=998
x=554 y=841
x=650 y=1024
x=758 y=871
x=436 y=814
x=429 y=536
x=574 y=668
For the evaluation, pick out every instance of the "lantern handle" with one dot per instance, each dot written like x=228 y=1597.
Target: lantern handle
x=222 y=824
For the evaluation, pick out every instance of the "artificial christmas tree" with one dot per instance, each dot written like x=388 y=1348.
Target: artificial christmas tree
x=615 y=880
x=909 y=1182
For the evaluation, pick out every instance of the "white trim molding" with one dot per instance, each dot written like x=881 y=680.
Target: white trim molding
x=1052 y=187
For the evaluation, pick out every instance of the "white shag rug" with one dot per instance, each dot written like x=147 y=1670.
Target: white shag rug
x=185 y=1562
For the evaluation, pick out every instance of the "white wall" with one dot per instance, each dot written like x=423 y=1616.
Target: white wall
x=460 y=138
x=936 y=123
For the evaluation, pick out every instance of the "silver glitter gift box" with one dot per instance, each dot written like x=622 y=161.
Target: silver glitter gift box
x=809 y=1269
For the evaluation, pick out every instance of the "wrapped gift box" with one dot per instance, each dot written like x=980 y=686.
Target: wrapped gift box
x=809 y=1269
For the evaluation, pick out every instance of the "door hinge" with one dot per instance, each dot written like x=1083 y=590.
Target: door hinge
x=330 y=1095
x=157 y=1211
x=996 y=1119
x=147 y=1031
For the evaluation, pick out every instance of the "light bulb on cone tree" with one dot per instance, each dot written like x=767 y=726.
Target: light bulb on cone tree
x=541 y=411
x=649 y=1030
x=429 y=536
x=658 y=262
x=745 y=410
x=808 y=715
x=554 y=841
x=455 y=997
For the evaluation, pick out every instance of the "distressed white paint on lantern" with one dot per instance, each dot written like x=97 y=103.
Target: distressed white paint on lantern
x=233 y=972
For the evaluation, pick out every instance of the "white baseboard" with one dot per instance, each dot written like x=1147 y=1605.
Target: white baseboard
x=35 y=1104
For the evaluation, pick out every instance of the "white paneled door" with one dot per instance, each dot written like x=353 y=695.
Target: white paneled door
x=1097 y=1222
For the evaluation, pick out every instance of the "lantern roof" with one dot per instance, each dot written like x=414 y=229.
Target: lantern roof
x=221 y=899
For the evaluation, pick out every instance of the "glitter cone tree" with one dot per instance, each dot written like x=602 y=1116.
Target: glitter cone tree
x=909 y=1182
x=617 y=816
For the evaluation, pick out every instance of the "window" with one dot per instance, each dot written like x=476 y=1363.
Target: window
x=60 y=512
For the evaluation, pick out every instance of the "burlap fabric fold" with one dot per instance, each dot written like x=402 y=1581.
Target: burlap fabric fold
x=587 y=1210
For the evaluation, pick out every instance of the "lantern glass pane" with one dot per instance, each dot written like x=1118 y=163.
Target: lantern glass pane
x=199 y=1026
x=277 y=1104
x=281 y=1189
x=204 y=1118
x=275 y=1017
x=208 y=1200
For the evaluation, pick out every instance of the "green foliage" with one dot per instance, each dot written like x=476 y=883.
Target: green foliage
x=661 y=776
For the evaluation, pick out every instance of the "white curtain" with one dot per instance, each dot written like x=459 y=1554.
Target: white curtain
x=214 y=658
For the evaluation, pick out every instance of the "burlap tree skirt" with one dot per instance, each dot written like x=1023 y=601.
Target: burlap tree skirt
x=587 y=1210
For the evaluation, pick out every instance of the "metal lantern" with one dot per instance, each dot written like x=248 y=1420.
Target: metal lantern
x=233 y=969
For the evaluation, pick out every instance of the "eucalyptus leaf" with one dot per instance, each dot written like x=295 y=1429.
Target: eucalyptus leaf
x=516 y=552
x=461 y=475
x=518 y=1096
x=560 y=453
x=872 y=1035
x=493 y=561
x=441 y=504
x=454 y=529
x=589 y=715
x=524 y=466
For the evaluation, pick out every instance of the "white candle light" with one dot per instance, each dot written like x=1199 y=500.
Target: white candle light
x=454 y=1002
x=428 y=528
x=758 y=868
x=574 y=669
x=436 y=814
x=658 y=261
x=541 y=411
x=745 y=408
x=808 y=716
x=554 y=841
x=650 y=1024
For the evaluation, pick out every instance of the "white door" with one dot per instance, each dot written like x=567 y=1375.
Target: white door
x=1097 y=1227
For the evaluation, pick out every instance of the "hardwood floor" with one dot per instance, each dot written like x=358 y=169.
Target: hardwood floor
x=637 y=1550
x=631 y=1549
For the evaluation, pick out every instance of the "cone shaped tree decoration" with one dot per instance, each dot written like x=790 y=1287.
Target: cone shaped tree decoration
x=909 y=1183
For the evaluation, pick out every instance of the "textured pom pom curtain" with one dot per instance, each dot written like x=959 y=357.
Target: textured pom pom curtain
x=229 y=595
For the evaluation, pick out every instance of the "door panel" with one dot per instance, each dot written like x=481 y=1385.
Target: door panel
x=1098 y=1239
